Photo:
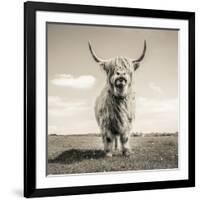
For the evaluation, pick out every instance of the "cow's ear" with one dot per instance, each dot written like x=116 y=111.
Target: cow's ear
x=105 y=66
x=136 y=65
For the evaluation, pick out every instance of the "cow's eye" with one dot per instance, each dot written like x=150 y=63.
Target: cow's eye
x=117 y=73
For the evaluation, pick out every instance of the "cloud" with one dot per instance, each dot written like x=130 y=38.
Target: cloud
x=85 y=126
x=68 y=80
x=153 y=106
x=59 y=107
x=156 y=115
x=56 y=101
x=155 y=88
x=66 y=116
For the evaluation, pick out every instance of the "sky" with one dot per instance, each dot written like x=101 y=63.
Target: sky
x=75 y=79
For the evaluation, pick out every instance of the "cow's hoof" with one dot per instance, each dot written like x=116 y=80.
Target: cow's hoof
x=109 y=154
x=126 y=152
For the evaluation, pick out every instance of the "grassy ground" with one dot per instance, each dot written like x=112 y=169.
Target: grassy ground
x=84 y=154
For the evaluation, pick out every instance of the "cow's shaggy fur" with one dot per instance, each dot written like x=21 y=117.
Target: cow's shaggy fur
x=115 y=106
x=114 y=109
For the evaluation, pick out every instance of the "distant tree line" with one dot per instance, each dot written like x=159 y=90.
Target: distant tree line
x=153 y=134
x=134 y=134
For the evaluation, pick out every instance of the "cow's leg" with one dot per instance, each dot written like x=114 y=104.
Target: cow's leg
x=116 y=143
x=108 y=144
x=125 y=144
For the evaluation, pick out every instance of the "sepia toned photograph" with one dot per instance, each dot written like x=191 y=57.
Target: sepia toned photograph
x=112 y=99
x=109 y=98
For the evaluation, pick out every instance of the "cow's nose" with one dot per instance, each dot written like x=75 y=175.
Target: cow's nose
x=121 y=79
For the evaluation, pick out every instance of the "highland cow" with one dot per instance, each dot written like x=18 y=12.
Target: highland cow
x=115 y=106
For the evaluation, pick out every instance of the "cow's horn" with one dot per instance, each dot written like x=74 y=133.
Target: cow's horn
x=96 y=58
x=143 y=54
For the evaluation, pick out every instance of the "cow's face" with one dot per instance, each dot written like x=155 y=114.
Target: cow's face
x=120 y=76
x=120 y=72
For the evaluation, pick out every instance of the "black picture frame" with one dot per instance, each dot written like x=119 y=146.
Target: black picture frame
x=30 y=9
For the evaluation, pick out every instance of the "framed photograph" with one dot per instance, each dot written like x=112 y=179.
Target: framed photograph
x=109 y=99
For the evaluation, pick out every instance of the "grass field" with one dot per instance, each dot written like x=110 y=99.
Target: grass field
x=84 y=154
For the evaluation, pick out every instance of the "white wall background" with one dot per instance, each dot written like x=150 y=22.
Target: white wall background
x=11 y=103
